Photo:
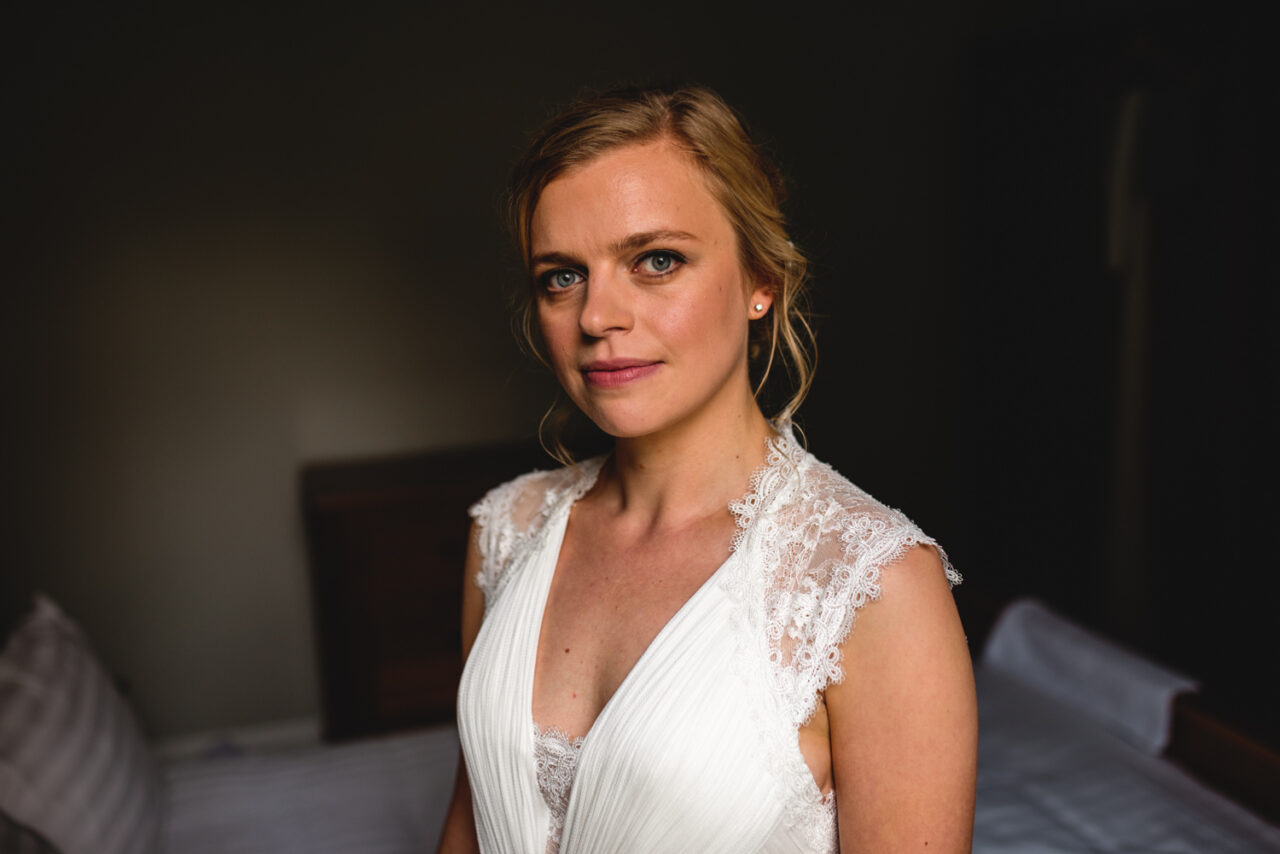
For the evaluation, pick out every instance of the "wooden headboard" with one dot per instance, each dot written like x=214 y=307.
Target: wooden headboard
x=386 y=540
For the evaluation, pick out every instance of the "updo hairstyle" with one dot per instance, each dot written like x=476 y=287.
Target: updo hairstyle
x=741 y=178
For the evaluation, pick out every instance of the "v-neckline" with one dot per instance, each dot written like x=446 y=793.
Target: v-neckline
x=561 y=526
x=769 y=481
x=781 y=447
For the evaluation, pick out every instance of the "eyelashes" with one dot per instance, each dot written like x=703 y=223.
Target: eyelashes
x=660 y=262
x=560 y=279
x=653 y=264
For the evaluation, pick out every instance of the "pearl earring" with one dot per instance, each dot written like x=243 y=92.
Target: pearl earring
x=758 y=306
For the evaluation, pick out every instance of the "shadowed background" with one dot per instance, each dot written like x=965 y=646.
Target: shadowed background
x=237 y=241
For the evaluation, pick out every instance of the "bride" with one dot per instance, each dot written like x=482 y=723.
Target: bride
x=659 y=642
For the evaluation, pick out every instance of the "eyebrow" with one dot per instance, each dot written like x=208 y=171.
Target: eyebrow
x=626 y=244
x=644 y=238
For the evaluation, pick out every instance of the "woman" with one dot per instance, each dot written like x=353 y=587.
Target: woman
x=659 y=646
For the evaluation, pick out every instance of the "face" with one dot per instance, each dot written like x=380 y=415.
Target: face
x=641 y=296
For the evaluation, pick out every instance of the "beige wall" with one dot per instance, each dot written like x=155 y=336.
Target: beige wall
x=202 y=365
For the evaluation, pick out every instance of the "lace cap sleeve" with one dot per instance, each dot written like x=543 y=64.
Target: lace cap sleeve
x=509 y=517
x=830 y=549
x=504 y=516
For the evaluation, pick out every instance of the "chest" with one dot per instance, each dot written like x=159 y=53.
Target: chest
x=670 y=762
x=609 y=598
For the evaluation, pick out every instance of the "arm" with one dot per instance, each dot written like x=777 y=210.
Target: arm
x=459 y=835
x=904 y=722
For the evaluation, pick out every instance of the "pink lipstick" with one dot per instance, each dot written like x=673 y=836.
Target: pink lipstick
x=611 y=373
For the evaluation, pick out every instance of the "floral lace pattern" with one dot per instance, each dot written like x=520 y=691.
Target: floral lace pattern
x=817 y=545
x=512 y=515
x=814 y=547
x=556 y=756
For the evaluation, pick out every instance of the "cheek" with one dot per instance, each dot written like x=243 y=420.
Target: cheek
x=718 y=319
x=544 y=321
x=557 y=339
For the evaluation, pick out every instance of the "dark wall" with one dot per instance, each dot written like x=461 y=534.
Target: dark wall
x=949 y=167
x=1118 y=390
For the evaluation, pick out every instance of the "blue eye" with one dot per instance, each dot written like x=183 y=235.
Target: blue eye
x=558 y=280
x=661 y=262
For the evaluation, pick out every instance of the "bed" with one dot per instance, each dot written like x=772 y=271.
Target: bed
x=1063 y=767
x=1074 y=750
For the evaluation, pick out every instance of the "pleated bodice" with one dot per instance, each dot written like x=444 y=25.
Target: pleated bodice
x=697 y=750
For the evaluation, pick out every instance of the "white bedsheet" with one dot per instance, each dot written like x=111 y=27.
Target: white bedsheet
x=1052 y=781
x=378 y=796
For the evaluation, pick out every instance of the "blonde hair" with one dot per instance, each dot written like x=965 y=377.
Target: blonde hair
x=741 y=178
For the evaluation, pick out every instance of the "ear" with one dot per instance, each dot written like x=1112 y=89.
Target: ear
x=762 y=296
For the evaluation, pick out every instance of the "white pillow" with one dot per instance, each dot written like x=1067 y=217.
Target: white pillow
x=74 y=767
x=1117 y=687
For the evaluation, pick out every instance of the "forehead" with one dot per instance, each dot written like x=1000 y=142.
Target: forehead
x=628 y=190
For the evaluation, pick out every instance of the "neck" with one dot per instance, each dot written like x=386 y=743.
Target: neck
x=691 y=469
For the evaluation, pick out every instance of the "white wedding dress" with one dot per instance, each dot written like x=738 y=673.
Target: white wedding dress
x=697 y=750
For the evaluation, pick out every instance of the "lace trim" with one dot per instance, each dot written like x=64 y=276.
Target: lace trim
x=816 y=545
x=502 y=538
x=556 y=756
x=769 y=482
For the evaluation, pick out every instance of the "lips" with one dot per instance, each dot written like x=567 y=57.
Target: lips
x=611 y=373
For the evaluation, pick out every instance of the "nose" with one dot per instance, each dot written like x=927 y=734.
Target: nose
x=606 y=307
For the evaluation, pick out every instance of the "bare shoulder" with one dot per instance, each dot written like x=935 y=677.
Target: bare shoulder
x=908 y=646
x=904 y=719
x=915 y=602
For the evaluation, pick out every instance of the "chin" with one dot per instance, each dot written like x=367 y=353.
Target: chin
x=625 y=425
x=623 y=428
